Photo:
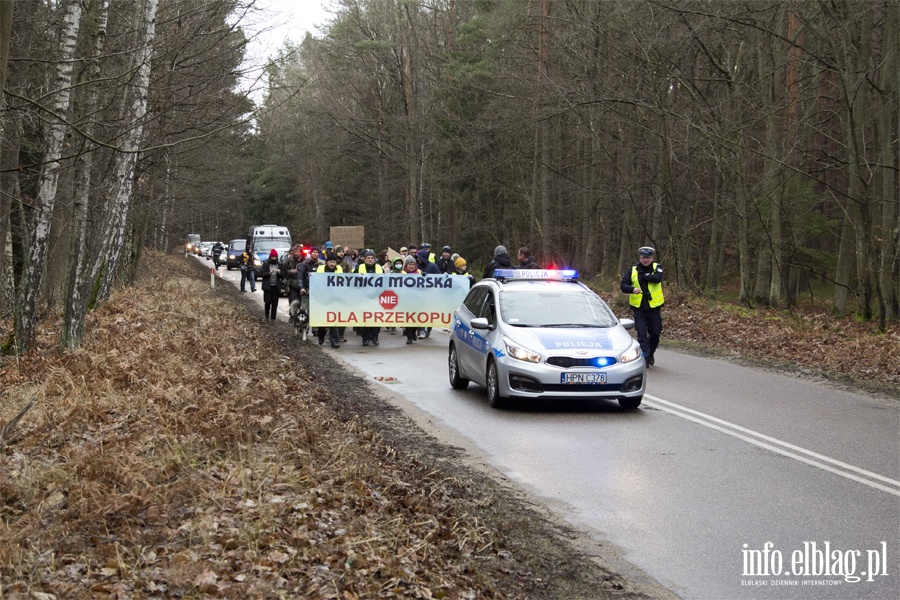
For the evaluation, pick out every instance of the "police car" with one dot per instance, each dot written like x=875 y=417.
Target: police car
x=539 y=333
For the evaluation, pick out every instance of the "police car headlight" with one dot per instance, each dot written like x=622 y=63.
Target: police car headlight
x=257 y=262
x=632 y=354
x=521 y=353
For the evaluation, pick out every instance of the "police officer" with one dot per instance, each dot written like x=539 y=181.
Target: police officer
x=643 y=283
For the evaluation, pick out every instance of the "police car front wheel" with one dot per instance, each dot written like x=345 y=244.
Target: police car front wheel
x=456 y=382
x=630 y=403
x=492 y=381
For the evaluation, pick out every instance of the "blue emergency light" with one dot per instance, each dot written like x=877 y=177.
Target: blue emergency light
x=544 y=274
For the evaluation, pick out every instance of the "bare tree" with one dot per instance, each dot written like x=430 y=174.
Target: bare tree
x=79 y=286
x=32 y=275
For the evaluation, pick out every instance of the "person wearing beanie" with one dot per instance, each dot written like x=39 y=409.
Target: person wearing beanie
x=410 y=265
x=271 y=285
x=344 y=262
x=334 y=335
x=427 y=268
x=369 y=266
x=501 y=261
x=461 y=268
x=444 y=262
x=410 y=268
x=306 y=267
x=289 y=266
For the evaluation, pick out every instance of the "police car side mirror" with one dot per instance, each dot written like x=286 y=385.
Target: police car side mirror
x=627 y=323
x=481 y=323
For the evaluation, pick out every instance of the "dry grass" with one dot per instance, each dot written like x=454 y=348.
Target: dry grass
x=178 y=454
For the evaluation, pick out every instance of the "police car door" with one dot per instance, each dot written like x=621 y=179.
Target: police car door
x=469 y=341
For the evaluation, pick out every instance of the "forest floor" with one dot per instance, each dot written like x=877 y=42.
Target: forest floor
x=186 y=450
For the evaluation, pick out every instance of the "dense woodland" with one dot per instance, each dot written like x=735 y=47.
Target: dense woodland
x=753 y=143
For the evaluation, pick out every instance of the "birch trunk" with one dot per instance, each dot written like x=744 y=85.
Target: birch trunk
x=32 y=274
x=78 y=295
x=120 y=200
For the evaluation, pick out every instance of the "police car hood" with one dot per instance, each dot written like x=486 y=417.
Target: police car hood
x=566 y=340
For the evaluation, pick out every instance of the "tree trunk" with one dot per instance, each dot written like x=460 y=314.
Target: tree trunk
x=32 y=275
x=844 y=268
x=888 y=132
x=113 y=236
x=79 y=290
x=546 y=240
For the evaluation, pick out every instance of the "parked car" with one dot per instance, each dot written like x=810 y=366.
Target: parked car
x=234 y=253
x=538 y=334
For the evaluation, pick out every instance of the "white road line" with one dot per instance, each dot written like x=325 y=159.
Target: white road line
x=784 y=448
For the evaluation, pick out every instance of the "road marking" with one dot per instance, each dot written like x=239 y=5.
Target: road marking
x=814 y=459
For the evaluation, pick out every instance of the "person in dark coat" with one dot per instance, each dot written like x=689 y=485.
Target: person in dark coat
x=461 y=268
x=425 y=265
x=217 y=250
x=501 y=261
x=643 y=284
x=271 y=285
x=427 y=268
x=526 y=260
x=444 y=261
x=334 y=334
x=410 y=268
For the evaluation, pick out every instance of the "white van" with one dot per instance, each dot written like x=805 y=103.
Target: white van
x=269 y=232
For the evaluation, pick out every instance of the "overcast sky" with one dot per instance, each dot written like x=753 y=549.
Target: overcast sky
x=278 y=20
x=290 y=19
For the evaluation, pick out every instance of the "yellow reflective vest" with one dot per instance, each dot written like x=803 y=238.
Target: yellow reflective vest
x=362 y=269
x=655 y=289
x=321 y=269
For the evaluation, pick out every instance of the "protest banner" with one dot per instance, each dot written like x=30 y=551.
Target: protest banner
x=384 y=300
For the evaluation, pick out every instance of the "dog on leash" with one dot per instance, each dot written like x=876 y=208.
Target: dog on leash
x=300 y=320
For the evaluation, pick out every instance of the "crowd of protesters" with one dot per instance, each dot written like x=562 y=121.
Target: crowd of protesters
x=289 y=275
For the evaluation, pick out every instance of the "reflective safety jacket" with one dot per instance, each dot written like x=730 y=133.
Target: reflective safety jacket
x=652 y=285
x=325 y=269
x=376 y=268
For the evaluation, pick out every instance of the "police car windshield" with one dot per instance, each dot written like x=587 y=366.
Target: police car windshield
x=532 y=308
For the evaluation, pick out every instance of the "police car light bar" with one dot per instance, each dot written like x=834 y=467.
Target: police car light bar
x=545 y=274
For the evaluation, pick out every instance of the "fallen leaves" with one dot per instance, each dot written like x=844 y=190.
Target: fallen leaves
x=176 y=454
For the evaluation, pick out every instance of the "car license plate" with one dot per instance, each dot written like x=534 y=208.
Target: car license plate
x=576 y=378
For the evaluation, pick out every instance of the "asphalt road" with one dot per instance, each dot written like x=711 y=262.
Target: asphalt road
x=720 y=461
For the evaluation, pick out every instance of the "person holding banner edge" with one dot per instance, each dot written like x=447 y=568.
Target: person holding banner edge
x=330 y=266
